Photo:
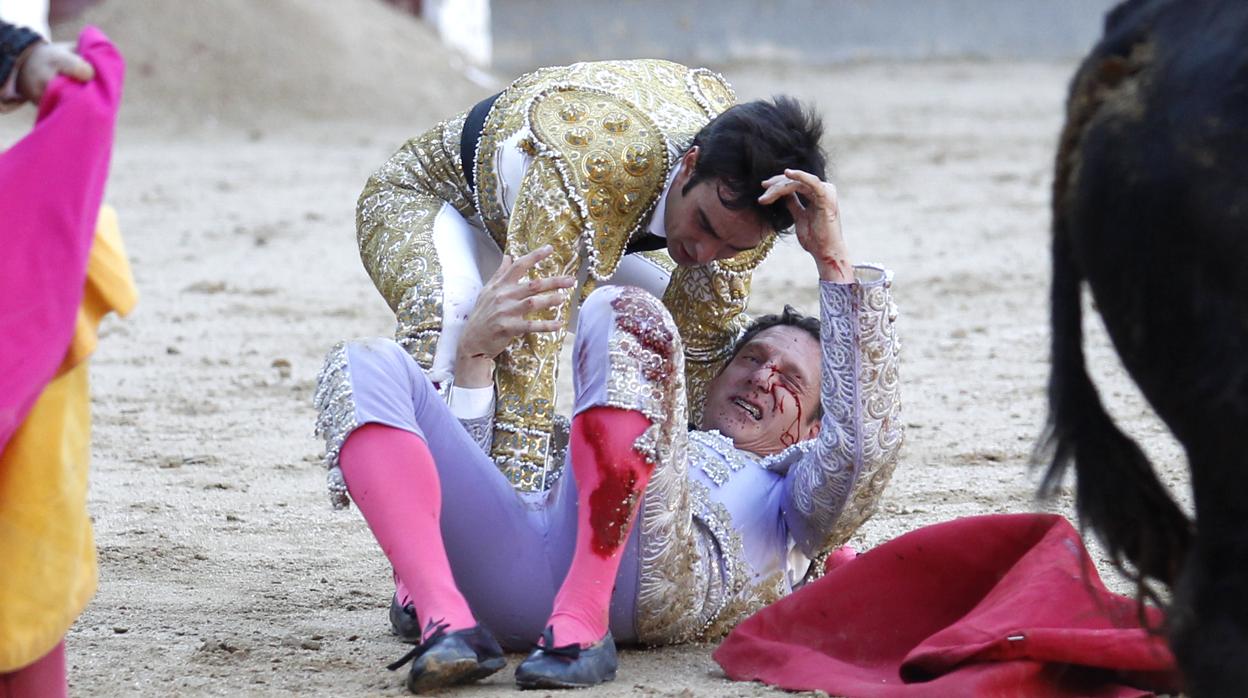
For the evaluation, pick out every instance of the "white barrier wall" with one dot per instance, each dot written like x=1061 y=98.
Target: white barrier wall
x=530 y=33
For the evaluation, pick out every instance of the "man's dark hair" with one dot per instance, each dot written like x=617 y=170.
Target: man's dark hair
x=790 y=317
x=754 y=141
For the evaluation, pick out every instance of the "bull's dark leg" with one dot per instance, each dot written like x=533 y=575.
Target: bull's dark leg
x=1209 y=616
x=1151 y=206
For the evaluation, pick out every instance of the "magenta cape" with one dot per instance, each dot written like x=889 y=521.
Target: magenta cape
x=1005 y=605
x=51 y=185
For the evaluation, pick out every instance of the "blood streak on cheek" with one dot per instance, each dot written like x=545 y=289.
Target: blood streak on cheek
x=791 y=434
x=777 y=402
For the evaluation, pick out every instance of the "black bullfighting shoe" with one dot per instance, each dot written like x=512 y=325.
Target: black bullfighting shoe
x=449 y=659
x=403 y=621
x=570 y=666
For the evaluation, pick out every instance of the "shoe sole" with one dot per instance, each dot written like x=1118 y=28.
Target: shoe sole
x=545 y=682
x=442 y=674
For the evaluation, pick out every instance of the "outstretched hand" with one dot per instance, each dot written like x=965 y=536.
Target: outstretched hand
x=817 y=222
x=45 y=62
x=499 y=315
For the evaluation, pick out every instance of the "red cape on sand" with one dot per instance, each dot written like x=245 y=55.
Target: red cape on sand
x=1004 y=605
x=51 y=185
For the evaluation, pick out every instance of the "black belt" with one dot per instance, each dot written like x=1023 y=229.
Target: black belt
x=471 y=135
x=646 y=243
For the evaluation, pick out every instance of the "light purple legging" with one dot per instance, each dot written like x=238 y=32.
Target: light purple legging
x=509 y=552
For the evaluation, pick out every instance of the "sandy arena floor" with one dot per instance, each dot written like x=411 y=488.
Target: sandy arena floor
x=223 y=570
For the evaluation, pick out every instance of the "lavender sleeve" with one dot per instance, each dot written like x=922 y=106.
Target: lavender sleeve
x=833 y=482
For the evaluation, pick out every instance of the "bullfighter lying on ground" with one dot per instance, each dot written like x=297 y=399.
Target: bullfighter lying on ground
x=798 y=439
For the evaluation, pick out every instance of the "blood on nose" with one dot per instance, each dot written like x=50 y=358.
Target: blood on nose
x=764 y=376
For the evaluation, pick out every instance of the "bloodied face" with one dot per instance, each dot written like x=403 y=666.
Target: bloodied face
x=767 y=396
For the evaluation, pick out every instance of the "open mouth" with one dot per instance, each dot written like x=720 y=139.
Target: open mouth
x=749 y=408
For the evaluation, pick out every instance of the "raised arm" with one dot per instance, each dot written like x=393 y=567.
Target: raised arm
x=834 y=482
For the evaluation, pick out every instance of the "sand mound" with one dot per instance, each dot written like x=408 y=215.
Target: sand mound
x=262 y=65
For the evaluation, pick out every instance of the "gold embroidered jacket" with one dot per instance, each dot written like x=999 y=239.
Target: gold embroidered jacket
x=603 y=138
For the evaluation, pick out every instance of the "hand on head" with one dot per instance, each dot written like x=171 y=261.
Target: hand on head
x=817 y=221
x=44 y=62
x=500 y=315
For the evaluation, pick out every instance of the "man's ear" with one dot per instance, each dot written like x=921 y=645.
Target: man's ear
x=813 y=430
x=690 y=161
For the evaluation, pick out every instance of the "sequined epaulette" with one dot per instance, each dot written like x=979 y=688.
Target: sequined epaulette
x=710 y=90
x=612 y=159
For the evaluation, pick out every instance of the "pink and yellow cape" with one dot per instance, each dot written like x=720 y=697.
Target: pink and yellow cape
x=62 y=268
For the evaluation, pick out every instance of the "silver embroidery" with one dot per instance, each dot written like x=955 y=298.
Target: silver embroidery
x=730 y=460
x=646 y=373
x=879 y=410
x=718 y=521
x=694 y=581
x=561 y=430
x=481 y=429
x=839 y=479
x=335 y=419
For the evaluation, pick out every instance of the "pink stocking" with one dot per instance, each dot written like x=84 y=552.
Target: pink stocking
x=43 y=679
x=610 y=478
x=392 y=478
x=400 y=591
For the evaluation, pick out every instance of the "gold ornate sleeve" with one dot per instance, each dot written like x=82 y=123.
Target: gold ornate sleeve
x=708 y=305
x=394 y=229
x=525 y=373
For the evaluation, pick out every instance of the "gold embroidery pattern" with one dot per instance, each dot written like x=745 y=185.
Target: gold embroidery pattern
x=613 y=153
x=525 y=374
x=676 y=104
x=711 y=90
x=394 y=225
x=582 y=124
x=661 y=259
